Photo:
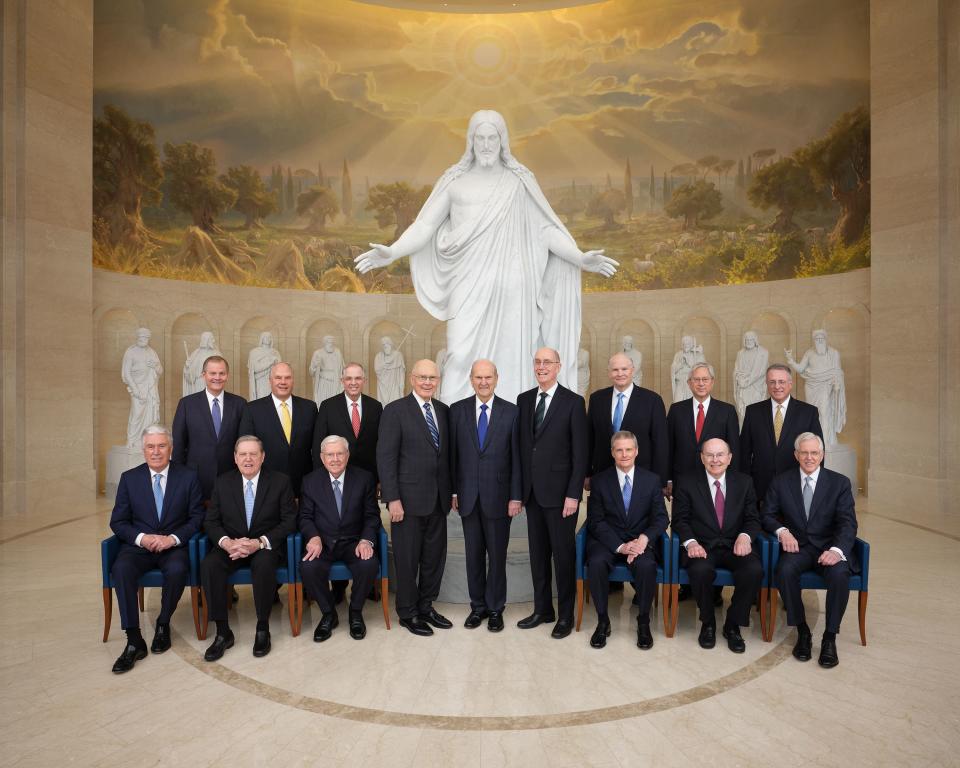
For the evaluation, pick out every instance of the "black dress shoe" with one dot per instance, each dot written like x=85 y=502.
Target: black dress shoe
x=131 y=654
x=734 y=639
x=475 y=619
x=161 y=639
x=599 y=637
x=358 y=630
x=828 y=654
x=261 y=643
x=495 y=622
x=416 y=626
x=644 y=638
x=434 y=618
x=561 y=629
x=803 y=650
x=708 y=635
x=218 y=646
x=328 y=623
x=535 y=620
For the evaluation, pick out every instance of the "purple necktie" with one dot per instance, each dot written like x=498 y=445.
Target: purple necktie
x=718 y=503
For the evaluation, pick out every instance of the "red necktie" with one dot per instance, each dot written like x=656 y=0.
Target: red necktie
x=355 y=420
x=718 y=503
x=699 y=420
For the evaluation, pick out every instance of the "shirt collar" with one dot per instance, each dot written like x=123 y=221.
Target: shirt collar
x=165 y=473
x=706 y=404
x=626 y=393
x=421 y=401
x=342 y=474
x=550 y=392
x=255 y=479
x=711 y=480
x=210 y=397
x=784 y=404
x=277 y=401
x=814 y=476
x=478 y=402
x=358 y=401
x=621 y=474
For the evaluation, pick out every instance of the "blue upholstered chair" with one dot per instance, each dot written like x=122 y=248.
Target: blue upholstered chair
x=285 y=575
x=620 y=573
x=812 y=580
x=109 y=548
x=340 y=572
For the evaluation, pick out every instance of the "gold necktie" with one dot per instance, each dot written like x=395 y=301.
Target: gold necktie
x=287 y=424
x=778 y=424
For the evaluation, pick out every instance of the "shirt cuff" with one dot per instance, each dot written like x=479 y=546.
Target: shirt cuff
x=839 y=552
x=266 y=542
x=367 y=541
x=139 y=539
x=175 y=539
x=221 y=540
x=780 y=530
x=688 y=542
x=619 y=547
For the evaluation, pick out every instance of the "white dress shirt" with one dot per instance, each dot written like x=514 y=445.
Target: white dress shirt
x=476 y=410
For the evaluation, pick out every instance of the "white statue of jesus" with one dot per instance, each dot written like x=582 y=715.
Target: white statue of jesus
x=489 y=256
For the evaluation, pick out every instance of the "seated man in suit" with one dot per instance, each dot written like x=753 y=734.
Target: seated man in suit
x=250 y=515
x=715 y=516
x=485 y=464
x=339 y=520
x=812 y=513
x=158 y=509
x=626 y=517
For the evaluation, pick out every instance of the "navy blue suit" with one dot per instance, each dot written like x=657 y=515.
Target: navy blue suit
x=196 y=444
x=485 y=478
x=135 y=512
x=609 y=525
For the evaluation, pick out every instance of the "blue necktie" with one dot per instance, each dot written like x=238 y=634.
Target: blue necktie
x=618 y=413
x=248 y=503
x=215 y=412
x=158 y=495
x=627 y=493
x=338 y=497
x=432 y=426
x=482 y=424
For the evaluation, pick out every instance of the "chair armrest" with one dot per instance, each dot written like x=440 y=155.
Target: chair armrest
x=862 y=548
x=109 y=548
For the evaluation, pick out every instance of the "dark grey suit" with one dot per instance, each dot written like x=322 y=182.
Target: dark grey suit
x=645 y=417
x=720 y=421
x=294 y=459
x=195 y=442
x=333 y=418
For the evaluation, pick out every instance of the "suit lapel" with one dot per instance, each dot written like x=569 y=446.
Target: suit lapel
x=706 y=491
x=236 y=490
x=422 y=420
x=257 y=500
x=795 y=483
x=768 y=424
x=818 y=494
x=168 y=491
x=552 y=404
x=606 y=401
x=709 y=419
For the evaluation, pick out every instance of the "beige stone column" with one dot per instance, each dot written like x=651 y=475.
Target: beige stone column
x=46 y=291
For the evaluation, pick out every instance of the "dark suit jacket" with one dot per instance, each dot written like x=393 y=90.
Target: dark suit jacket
x=197 y=446
x=318 y=508
x=410 y=468
x=833 y=521
x=490 y=472
x=720 y=421
x=554 y=459
x=694 y=516
x=135 y=511
x=762 y=458
x=274 y=513
x=610 y=524
x=295 y=459
x=333 y=418
x=645 y=417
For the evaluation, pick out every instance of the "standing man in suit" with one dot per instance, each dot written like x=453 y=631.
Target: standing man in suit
x=414 y=467
x=626 y=517
x=631 y=408
x=158 y=509
x=553 y=457
x=339 y=519
x=250 y=516
x=206 y=425
x=812 y=514
x=485 y=463
x=715 y=516
x=285 y=425
x=770 y=428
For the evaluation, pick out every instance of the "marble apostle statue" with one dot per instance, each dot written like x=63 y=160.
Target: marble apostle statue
x=635 y=356
x=749 y=372
x=391 y=371
x=690 y=354
x=489 y=256
x=193 y=367
x=141 y=371
x=326 y=367
x=258 y=365
x=821 y=371
x=583 y=372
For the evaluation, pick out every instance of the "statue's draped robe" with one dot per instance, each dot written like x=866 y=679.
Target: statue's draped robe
x=141 y=379
x=391 y=372
x=193 y=369
x=501 y=292
x=751 y=366
x=258 y=364
x=825 y=388
x=326 y=369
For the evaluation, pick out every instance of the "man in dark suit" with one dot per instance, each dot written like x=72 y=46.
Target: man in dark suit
x=206 y=426
x=485 y=463
x=627 y=407
x=285 y=424
x=770 y=428
x=158 y=508
x=626 y=517
x=414 y=467
x=812 y=514
x=715 y=516
x=250 y=516
x=553 y=457
x=339 y=520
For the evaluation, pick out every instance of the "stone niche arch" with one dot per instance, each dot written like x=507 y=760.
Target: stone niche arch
x=374 y=333
x=312 y=340
x=182 y=337
x=775 y=332
x=710 y=335
x=247 y=338
x=116 y=330
x=646 y=340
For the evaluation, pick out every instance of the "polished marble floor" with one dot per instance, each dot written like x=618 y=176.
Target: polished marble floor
x=472 y=698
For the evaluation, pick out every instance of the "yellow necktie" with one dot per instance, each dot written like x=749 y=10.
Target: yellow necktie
x=778 y=424
x=285 y=421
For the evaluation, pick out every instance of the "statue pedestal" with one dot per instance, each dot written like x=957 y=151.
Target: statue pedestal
x=842 y=459
x=119 y=460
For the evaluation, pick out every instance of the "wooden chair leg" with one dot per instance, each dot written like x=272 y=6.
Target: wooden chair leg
x=195 y=609
x=674 y=608
x=666 y=610
x=772 y=618
x=108 y=611
x=764 y=605
x=385 y=600
x=204 y=618
x=140 y=597
x=579 y=602
x=862 y=611
x=292 y=611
